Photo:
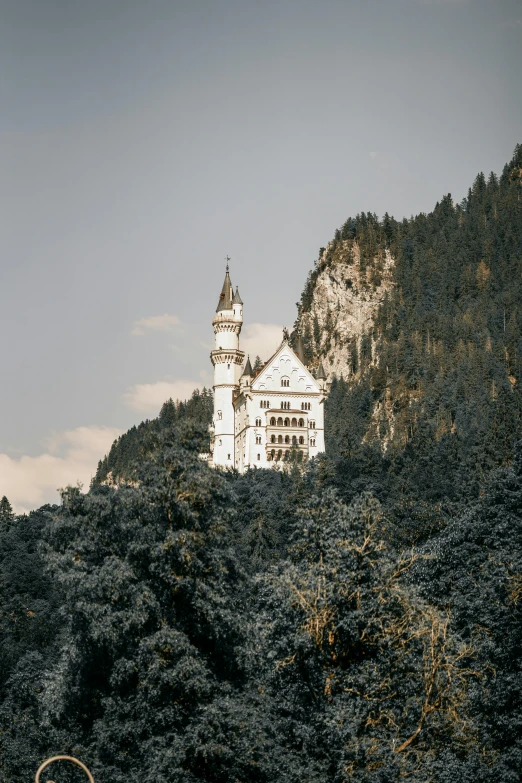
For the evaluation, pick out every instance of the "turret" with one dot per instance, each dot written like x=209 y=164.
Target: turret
x=246 y=379
x=237 y=304
x=227 y=360
x=321 y=376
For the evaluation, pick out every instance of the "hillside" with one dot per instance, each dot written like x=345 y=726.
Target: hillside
x=423 y=320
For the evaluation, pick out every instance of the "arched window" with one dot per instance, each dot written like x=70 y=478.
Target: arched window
x=258 y=422
x=294 y=422
x=220 y=442
x=301 y=440
x=279 y=453
x=280 y=439
x=287 y=439
x=273 y=439
x=272 y=421
x=280 y=422
x=312 y=441
x=272 y=453
x=312 y=424
x=301 y=422
x=285 y=382
x=287 y=422
x=258 y=439
x=219 y=415
x=259 y=456
x=294 y=440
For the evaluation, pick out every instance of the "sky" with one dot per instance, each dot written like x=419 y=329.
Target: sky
x=143 y=142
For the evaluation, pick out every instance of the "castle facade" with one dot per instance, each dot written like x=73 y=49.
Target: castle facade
x=260 y=417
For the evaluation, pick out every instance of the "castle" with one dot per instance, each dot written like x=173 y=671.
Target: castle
x=259 y=417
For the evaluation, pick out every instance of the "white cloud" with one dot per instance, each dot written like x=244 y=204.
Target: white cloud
x=261 y=340
x=156 y=323
x=149 y=397
x=72 y=456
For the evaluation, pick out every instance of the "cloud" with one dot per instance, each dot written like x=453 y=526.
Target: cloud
x=149 y=397
x=373 y=154
x=156 y=323
x=261 y=340
x=72 y=456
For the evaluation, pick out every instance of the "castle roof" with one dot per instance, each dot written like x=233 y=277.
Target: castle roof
x=236 y=298
x=321 y=375
x=226 y=295
x=247 y=372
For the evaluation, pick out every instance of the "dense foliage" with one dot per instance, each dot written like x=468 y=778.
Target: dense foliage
x=355 y=620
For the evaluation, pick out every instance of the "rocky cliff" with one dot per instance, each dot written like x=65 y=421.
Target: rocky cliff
x=345 y=291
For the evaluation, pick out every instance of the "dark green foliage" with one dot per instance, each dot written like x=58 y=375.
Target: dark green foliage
x=6 y=513
x=130 y=449
x=31 y=620
x=475 y=570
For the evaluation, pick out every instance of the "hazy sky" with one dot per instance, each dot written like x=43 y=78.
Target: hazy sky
x=144 y=141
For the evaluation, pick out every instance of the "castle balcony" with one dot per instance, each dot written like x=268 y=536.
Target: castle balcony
x=286 y=437
x=279 y=452
x=285 y=419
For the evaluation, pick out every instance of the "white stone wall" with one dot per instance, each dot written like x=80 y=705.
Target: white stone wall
x=284 y=402
x=227 y=360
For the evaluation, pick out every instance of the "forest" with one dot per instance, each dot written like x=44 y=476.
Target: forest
x=355 y=619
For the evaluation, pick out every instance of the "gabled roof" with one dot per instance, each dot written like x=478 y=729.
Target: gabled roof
x=247 y=372
x=236 y=298
x=226 y=295
x=285 y=347
x=321 y=375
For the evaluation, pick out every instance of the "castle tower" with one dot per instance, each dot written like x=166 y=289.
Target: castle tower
x=227 y=361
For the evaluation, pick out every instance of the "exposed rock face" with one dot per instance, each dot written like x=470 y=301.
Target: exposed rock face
x=347 y=294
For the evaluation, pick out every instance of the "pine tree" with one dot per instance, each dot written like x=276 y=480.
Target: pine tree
x=6 y=512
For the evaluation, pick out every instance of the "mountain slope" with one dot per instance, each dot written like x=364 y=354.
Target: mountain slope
x=425 y=316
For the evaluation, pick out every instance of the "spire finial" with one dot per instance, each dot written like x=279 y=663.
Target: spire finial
x=227 y=259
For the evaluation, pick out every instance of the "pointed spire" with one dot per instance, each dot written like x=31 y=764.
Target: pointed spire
x=321 y=375
x=226 y=295
x=248 y=372
x=299 y=349
x=237 y=299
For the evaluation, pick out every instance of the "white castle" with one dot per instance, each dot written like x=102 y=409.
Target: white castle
x=259 y=417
